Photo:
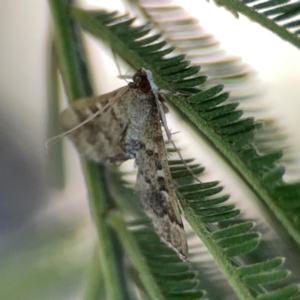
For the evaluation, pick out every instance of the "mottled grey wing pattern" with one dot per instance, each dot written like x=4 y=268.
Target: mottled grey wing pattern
x=101 y=138
x=155 y=186
x=130 y=127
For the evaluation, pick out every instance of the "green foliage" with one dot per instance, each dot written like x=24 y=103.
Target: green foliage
x=279 y=16
x=153 y=269
x=232 y=134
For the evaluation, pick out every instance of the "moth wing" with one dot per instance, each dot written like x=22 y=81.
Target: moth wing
x=99 y=139
x=83 y=108
x=155 y=186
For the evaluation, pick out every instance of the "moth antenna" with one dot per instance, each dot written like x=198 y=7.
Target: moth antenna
x=175 y=132
x=54 y=139
x=125 y=76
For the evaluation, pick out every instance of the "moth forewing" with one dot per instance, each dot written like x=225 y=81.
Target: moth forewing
x=155 y=186
x=154 y=182
x=101 y=138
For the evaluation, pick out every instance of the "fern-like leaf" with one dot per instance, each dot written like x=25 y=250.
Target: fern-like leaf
x=279 y=16
x=224 y=127
x=201 y=48
x=204 y=207
x=225 y=244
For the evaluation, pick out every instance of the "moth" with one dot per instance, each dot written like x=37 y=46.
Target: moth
x=126 y=124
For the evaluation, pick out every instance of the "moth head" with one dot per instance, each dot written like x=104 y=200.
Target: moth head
x=141 y=80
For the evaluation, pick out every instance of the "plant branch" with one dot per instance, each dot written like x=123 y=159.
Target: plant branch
x=77 y=82
x=94 y=288
x=100 y=200
x=72 y=58
x=221 y=259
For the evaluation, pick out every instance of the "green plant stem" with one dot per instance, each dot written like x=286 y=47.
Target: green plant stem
x=135 y=255
x=101 y=203
x=95 y=283
x=77 y=83
x=72 y=58
x=221 y=259
x=253 y=15
x=55 y=161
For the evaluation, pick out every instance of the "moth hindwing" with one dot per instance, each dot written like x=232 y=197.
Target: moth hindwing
x=130 y=127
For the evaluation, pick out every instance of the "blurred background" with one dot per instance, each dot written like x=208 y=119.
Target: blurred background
x=46 y=237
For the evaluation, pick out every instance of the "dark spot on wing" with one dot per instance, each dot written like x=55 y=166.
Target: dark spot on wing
x=158 y=139
x=154 y=111
x=157 y=203
x=157 y=162
x=161 y=180
x=149 y=152
x=162 y=183
x=131 y=147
